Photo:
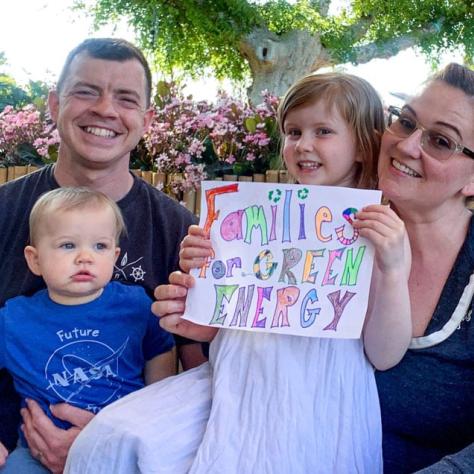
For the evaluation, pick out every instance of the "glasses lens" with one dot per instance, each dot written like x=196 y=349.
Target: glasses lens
x=401 y=124
x=437 y=145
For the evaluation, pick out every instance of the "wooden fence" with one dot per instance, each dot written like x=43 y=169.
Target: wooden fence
x=13 y=172
x=190 y=199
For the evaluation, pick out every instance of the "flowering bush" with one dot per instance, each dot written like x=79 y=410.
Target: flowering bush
x=189 y=140
x=26 y=137
x=47 y=144
x=195 y=140
x=244 y=136
x=176 y=140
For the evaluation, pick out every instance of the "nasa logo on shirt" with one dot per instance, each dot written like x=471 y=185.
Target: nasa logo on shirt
x=73 y=370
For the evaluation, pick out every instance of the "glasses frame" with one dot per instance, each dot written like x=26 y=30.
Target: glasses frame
x=397 y=111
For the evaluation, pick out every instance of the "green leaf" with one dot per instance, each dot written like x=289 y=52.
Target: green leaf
x=250 y=124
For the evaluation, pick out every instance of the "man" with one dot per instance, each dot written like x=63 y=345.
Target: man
x=102 y=108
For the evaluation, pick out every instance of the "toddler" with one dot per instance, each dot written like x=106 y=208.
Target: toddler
x=84 y=340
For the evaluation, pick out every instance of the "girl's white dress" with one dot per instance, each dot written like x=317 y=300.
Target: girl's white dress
x=265 y=403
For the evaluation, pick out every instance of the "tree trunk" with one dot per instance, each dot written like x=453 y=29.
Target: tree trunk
x=276 y=62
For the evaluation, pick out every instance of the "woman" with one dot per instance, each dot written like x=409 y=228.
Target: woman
x=426 y=170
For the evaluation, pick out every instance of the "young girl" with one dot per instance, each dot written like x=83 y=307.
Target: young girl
x=286 y=404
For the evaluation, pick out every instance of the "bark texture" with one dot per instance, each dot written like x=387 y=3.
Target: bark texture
x=278 y=61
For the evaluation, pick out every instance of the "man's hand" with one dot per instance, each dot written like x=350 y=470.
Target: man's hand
x=170 y=307
x=48 y=443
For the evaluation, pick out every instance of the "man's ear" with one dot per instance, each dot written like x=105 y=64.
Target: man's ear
x=31 y=256
x=53 y=104
x=147 y=118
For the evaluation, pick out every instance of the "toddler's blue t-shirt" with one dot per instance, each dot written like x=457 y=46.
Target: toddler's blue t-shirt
x=87 y=355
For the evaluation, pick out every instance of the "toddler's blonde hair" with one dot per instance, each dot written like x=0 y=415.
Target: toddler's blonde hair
x=69 y=198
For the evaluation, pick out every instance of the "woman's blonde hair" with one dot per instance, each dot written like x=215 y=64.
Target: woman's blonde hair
x=359 y=105
x=68 y=198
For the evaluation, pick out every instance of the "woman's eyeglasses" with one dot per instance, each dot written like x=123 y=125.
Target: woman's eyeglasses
x=434 y=143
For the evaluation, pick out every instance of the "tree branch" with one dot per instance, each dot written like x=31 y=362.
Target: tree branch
x=358 y=30
x=386 y=49
x=321 y=6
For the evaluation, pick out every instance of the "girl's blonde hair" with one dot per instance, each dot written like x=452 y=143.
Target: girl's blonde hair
x=359 y=105
x=69 y=198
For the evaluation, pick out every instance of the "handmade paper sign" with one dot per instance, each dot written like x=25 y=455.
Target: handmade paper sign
x=287 y=259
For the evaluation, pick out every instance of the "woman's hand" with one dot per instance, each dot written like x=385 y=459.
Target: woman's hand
x=169 y=307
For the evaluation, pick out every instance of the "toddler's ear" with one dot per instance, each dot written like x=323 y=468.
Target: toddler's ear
x=31 y=256
x=117 y=252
